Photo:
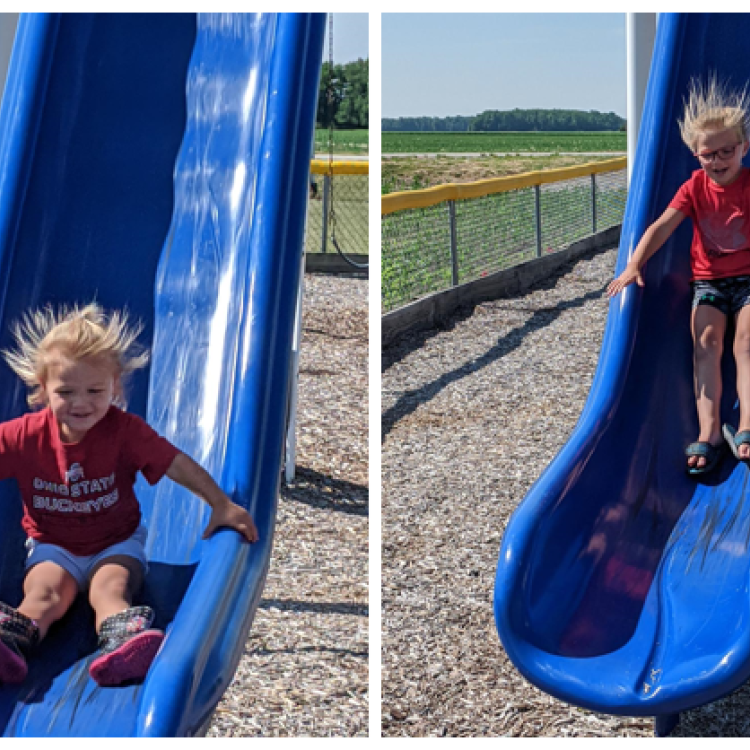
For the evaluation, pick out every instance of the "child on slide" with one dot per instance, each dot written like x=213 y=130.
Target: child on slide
x=715 y=127
x=75 y=460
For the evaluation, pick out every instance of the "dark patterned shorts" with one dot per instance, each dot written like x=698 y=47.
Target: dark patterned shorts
x=727 y=295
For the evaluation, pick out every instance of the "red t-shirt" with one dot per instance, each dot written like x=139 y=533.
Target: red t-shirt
x=80 y=495
x=721 y=225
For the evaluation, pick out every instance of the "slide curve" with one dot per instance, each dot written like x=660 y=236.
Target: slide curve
x=622 y=583
x=159 y=162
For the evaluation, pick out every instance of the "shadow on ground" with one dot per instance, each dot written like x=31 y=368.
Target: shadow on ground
x=326 y=608
x=322 y=491
x=406 y=344
x=409 y=401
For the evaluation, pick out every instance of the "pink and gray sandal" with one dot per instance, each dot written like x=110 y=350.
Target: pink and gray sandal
x=128 y=646
x=18 y=635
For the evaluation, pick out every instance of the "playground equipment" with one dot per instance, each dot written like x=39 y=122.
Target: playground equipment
x=189 y=211
x=622 y=584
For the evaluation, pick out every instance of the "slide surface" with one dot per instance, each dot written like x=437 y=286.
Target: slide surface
x=622 y=583
x=159 y=163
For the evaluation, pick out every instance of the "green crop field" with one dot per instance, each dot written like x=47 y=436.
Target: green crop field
x=344 y=141
x=436 y=143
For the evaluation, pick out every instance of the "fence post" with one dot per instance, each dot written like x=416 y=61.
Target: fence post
x=324 y=222
x=538 y=222
x=454 y=242
x=593 y=202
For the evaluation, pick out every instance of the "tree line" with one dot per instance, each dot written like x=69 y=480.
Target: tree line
x=348 y=105
x=511 y=120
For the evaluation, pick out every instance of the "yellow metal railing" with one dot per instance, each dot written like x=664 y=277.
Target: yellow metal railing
x=319 y=166
x=441 y=193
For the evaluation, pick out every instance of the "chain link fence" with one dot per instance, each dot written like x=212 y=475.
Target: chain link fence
x=437 y=238
x=339 y=203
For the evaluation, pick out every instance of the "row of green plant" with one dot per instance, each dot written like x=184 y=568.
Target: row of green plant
x=344 y=142
x=486 y=143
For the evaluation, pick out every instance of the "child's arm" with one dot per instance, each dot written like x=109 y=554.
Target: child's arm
x=653 y=238
x=195 y=478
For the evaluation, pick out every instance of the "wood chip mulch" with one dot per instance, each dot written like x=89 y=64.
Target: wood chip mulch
x=305 y=667
x=472 y=414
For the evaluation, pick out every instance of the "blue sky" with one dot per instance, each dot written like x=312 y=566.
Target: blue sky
x=439 y=64
x=350 y=37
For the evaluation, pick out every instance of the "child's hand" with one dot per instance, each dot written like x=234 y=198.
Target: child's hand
x=234 y=517
x=628 y=276
x=224 y=512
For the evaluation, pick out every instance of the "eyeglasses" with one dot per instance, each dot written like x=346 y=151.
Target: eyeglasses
x=723 y=153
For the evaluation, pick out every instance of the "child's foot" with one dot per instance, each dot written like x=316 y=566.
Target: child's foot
x=18 y=635
x=739 y=442
x=703 y=457
x=128 y=646
x=743 y=444
x=703 y=453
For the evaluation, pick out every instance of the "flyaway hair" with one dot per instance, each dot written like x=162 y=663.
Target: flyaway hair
x=712 y=105
x=78 y=333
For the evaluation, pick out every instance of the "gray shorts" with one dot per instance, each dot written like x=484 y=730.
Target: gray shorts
x=81 y=567
x=728 y=295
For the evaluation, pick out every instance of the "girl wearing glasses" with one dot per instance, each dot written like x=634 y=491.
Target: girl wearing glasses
x=716 y=128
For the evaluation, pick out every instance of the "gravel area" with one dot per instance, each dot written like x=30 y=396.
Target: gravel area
x=472 y=413
x=305 y=667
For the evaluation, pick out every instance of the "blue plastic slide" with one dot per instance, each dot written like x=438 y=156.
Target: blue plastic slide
x=622 y=584
x=159 y=163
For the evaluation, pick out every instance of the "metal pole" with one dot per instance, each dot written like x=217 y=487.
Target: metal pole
x=454 y=242
x=290 y=453
x=593 y=202
x=326 y=189
x=8 y=25
x=641 y=31
x=538 y=212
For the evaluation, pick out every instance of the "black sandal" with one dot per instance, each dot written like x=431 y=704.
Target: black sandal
x=712 y=453
x=735 y=440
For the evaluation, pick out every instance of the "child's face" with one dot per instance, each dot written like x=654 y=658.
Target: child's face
x=79 y=393
x=720 y=154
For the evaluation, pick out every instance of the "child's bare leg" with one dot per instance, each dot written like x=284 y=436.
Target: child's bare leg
x=112 y=586
x=49 y=591
x=708 y=327
x=742 y=357
x=128 y=644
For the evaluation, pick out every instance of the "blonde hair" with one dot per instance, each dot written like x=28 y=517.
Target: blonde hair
x=76 y=332
x=713 y=106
